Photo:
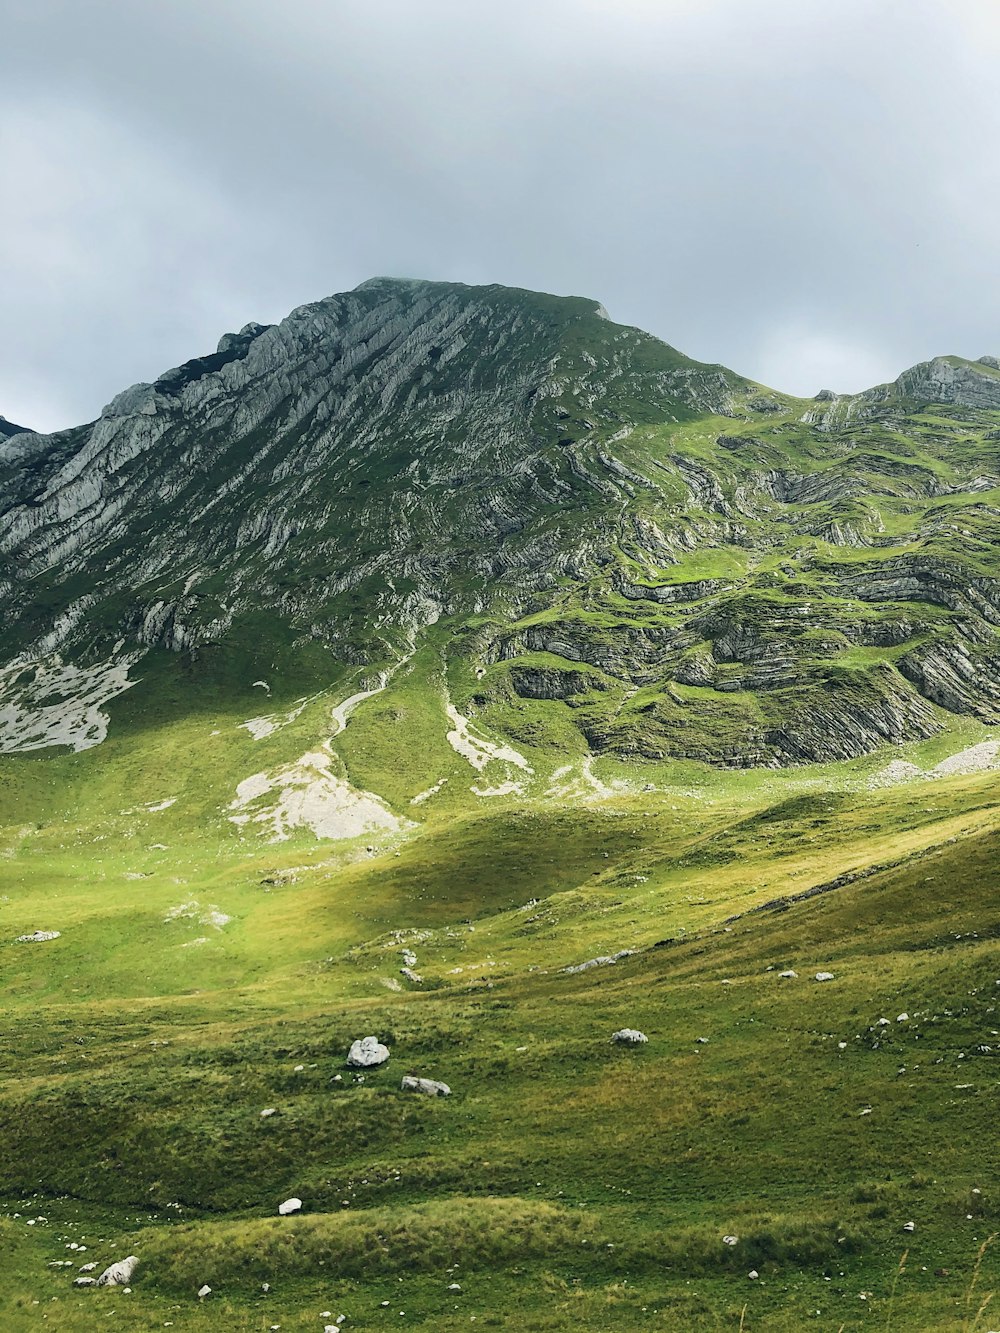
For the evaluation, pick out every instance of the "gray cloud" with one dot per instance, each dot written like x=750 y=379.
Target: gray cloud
x=805 y=191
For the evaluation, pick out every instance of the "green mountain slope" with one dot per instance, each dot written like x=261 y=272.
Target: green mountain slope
x=656 y=554
x=455 y=666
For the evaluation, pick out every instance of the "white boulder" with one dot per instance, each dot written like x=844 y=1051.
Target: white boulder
x=366 y=1052
x=429 y=1086
x=824 y=976
x=119 y=1274
x=289 y=1206
x=629 y=1037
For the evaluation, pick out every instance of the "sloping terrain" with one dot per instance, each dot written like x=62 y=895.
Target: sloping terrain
x=678 y=561
x=457 y=667
x=201 y=978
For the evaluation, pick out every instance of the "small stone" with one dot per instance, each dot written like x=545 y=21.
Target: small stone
x=38 y=937
x=903 y=1018
x=789 y=974
x=204 y=1291
x=268 y=1111
x=730 y=1240
x=909 y=1226
x=753 y=1275
x=431 y=1087
x=454 y=1286
x=824 y=976
x=289 y=1206
x=84 y=1282
x=629 y=1037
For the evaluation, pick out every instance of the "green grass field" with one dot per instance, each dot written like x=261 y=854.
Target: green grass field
x=567 y=1183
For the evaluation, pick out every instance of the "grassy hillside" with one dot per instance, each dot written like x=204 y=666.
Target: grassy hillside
x=203 y=975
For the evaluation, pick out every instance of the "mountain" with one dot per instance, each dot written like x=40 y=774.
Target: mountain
x=9 y=428
x=683 y=563
x=445 y=665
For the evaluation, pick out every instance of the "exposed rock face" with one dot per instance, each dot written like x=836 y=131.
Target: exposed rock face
x=477 y=375
x=552 y=486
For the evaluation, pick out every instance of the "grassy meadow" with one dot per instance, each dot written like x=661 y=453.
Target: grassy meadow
x=204 y=974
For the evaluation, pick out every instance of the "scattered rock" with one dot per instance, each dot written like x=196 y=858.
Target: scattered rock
x=789 y=974
x=753 y=1275
x=603 y=960
x=903 y=1018
x=204 y=1291
x=84 y=1282
x=454 y=1286
x=366 y=1052
x=730 y=1240
x=289 y=1206
x=119 y=1274
x=410 y=975
x=909 y=1226
x=268 y=1111
x=38 y=937
x=824 y=976
x=87 y=1268
x=429 y=1086
x=629 y=1037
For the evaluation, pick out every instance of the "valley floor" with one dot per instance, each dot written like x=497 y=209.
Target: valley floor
x=843 y=1131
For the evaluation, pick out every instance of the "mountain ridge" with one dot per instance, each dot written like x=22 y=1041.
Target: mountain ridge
x=681 y=561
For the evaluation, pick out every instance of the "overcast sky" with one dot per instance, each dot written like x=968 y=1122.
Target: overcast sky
x=805 y=190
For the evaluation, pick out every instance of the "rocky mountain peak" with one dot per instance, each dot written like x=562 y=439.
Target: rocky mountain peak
x=582 y=516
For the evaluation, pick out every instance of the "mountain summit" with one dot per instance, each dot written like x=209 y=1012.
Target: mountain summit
x=600 y=536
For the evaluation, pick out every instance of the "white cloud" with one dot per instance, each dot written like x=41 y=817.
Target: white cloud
x=764 y=185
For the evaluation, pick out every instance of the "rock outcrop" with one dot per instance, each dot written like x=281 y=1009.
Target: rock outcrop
x=551 y=486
